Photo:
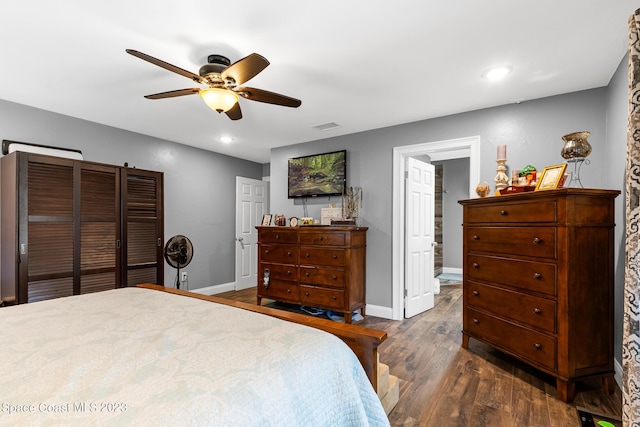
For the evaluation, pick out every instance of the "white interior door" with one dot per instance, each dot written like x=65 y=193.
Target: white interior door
x=252 y=201
x=419 y=237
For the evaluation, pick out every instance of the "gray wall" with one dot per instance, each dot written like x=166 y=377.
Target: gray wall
x=617 y=117
x=532 y=131
x=455 y=186
x=199 y=185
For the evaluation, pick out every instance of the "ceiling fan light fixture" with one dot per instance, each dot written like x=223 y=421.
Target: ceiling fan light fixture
x=220 y=100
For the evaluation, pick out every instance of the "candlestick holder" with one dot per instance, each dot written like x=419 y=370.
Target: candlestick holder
x=501 y=178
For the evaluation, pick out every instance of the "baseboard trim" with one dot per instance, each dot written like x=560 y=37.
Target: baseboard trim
x=452 y=270
x=379 y=311
x=617 y=367
x=215 y=289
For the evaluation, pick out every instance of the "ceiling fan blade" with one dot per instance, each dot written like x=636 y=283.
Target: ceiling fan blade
x=173 y=93
x=268 y=97
x=235 y=113
x=165 y=65
x=246 y=68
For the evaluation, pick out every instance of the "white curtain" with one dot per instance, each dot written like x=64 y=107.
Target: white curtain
x=631 y=330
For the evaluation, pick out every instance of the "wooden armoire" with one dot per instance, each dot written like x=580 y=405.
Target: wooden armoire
x=73 y=227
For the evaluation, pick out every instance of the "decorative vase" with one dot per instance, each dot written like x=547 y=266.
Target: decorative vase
x=576 y=145
x=483 y=189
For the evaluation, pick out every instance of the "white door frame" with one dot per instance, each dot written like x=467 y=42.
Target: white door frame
x=439 y=150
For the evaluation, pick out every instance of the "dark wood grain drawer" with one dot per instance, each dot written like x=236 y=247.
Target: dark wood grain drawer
x=527 y=275
x=322 y=276
x=530 y=241
x=328 y=239
x=525 y=343
x=324 y=297
x=534 y=211
x=531 y=310
x=281 y=290
x=278 y=235
x=285 y=254
x=279 y=271
x=322 y=256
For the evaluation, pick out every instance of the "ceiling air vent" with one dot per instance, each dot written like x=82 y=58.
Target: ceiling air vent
x=326 y=126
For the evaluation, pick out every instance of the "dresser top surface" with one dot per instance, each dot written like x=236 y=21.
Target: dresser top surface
x=538 y=195
x=313 y=228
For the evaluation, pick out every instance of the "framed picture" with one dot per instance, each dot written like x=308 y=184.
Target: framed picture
x=293 y=221
x=327 y=214
x=279 y=219
x=551 y=177
x=306 y=221
x=266 y=219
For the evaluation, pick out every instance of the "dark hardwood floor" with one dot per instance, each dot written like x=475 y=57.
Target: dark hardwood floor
x=442 y=384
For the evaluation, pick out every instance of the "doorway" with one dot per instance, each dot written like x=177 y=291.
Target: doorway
x=439 y=150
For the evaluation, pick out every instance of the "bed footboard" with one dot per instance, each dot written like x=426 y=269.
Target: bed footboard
x=363 y=341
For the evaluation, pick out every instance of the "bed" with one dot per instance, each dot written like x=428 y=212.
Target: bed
x=155 y=356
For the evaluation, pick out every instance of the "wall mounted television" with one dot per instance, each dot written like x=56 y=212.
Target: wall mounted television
x=318 y=175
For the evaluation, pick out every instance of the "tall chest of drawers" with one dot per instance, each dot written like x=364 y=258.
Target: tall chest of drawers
x=538 y=280
x=315 y=266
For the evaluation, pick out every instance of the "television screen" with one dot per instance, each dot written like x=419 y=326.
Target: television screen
x=318 y=175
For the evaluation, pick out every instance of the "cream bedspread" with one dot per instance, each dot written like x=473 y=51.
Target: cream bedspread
x=141 y=357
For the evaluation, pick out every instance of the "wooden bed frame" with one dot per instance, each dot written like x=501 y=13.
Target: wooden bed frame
x=363 y=341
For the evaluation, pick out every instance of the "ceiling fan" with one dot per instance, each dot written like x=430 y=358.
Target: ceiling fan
x=223 y=79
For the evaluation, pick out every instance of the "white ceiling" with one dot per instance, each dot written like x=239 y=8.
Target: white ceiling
x=363 y=64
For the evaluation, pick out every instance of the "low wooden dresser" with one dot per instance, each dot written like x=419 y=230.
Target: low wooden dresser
x=538 y=280
x=315 y=266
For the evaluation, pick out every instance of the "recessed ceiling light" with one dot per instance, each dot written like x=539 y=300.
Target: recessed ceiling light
x=226 y=139
x=497 y=73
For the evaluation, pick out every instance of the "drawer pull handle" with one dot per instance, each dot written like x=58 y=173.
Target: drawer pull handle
x=333 y=297
x=288 y=253
x=288 y=291
x=476 y=237
x=306 y=294
x=306 y=274
x=266 y=252
x=321 y=238
x=288 y=273
x=307 y=255
x=504 y=213
x=476 y=321
x=537 y=276
x=335 y=277
x=476 y=265
x=537 y=240
x=277 y=237
x=537 y=310
x=476 y=293
x=335 y=257
x=537 y=346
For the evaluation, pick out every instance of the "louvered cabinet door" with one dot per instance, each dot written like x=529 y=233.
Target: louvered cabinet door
x=46 y=243
x=143 y=227
x=100 y=241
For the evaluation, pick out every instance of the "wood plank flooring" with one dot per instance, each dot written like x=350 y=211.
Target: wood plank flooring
x=442 y=384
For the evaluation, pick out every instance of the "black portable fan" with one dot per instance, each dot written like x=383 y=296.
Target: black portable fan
x=178 y=252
